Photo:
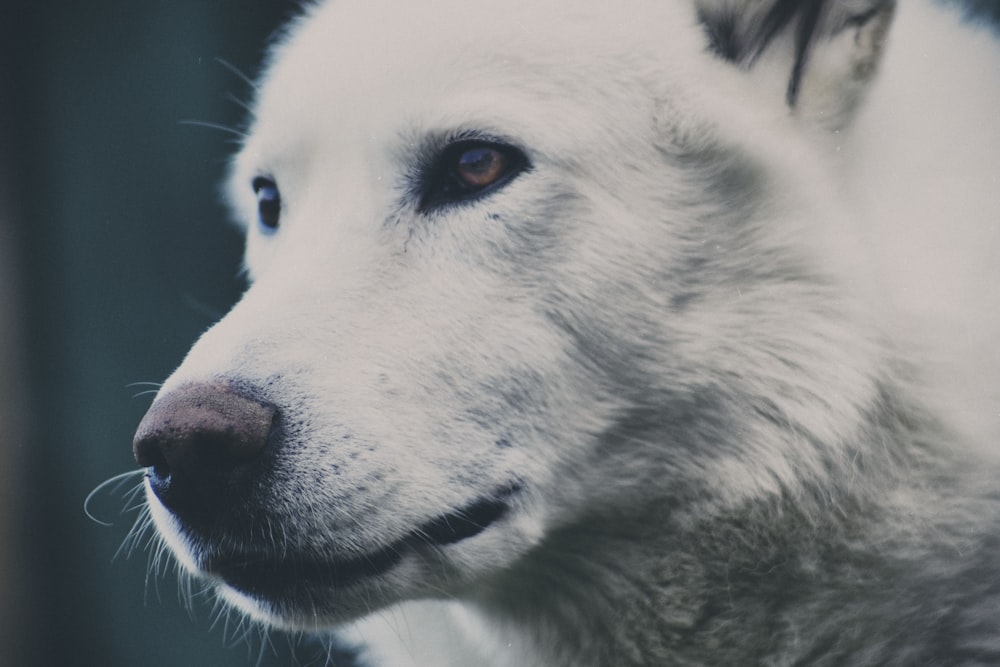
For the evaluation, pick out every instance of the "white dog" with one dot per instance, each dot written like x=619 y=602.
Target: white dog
x=607 y=334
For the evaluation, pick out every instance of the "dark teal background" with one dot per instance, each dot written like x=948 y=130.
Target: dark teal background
x=123 y=256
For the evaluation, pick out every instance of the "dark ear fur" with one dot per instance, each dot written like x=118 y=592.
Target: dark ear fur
x=741 y=31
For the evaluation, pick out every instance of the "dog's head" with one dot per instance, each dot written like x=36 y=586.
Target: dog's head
x=511 y=268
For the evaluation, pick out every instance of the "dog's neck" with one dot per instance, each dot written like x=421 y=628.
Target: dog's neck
x=584 y=599
x=593 y=599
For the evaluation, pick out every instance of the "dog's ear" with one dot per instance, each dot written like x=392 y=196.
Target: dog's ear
x=823 y=53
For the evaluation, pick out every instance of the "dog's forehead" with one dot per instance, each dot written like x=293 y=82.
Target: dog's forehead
x=367 y=34
x=366 y=60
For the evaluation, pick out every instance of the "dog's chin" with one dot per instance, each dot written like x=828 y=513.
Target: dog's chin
x=309 y=594
x=316 y=589
x=307 y=606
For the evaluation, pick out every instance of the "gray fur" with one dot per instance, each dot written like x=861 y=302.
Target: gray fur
x=674 y=347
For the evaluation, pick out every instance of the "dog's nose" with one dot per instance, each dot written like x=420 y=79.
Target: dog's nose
x=198 y=442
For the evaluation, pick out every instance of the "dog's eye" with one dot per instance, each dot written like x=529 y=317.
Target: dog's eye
x=268 y=203
x=480 y=167
x=466 y=170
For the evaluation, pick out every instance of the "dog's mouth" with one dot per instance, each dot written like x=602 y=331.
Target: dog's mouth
x=274 y=575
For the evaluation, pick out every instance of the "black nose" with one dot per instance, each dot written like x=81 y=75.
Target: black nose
x=199 y=442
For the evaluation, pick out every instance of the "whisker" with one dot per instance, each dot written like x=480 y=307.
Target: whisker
x=155 y=385
x=214 y=126
x=187 y=591
x=115 y=482
x=135 y=504
x=136 y=533
x=238 y=72
x=266 y=646
x=246 y=106
x=219 y=615
x=148 y=392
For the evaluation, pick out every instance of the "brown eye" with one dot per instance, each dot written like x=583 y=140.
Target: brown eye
x=481 y=166
x=467 y=170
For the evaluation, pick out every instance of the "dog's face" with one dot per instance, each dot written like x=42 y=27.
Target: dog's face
x=475 y=257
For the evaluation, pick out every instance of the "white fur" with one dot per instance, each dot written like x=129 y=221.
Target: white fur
x=682 y=317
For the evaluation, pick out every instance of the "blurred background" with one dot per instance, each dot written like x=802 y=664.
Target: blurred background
x=114 y=256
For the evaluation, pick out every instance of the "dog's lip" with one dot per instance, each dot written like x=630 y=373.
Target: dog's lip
x=270 y=574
